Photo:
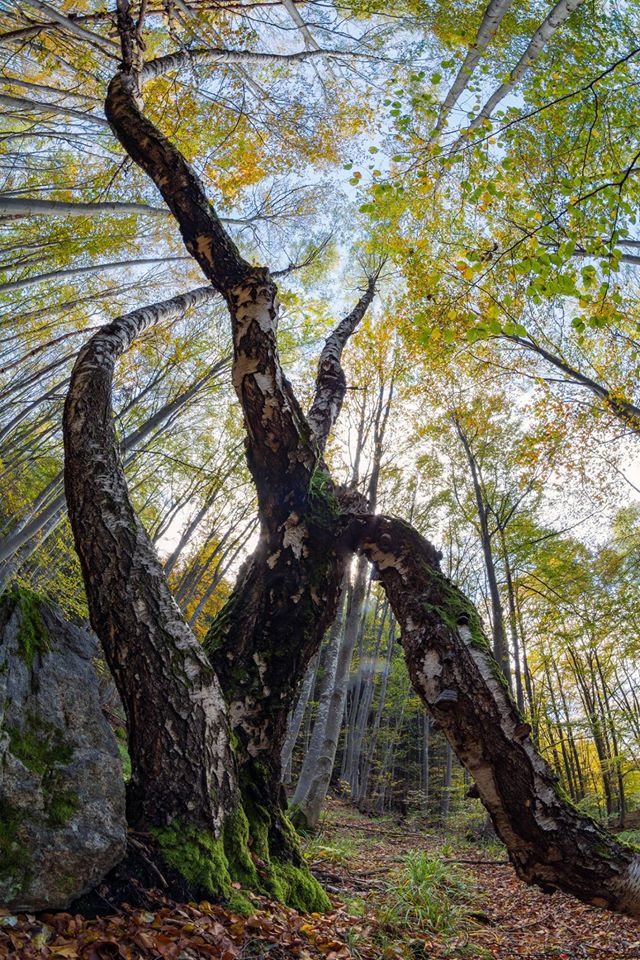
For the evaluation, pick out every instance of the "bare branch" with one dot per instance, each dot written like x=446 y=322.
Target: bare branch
x=331 y=384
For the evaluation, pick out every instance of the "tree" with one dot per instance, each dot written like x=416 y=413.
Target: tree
x=207 y=725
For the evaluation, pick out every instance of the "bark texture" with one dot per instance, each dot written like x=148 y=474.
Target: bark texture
x=287 y=592
x=451 y=666
x=174 y=705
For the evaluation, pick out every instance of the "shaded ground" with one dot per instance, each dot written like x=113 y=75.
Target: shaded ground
x=494 y=915
x=397 y=892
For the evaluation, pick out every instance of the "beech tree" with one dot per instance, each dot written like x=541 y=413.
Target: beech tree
x=207 y=723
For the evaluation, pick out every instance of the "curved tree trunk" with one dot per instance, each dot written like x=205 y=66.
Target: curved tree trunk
x=183 y=787
x=451 y=666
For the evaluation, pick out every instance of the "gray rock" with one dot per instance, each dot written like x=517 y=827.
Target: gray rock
x=62 y=802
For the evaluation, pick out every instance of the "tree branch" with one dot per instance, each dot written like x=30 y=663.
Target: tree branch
x=23 y=104
x=279 y=454
x=331 y=384
x=624 y=410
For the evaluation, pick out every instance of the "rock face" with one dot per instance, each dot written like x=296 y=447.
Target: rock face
x=62 y=802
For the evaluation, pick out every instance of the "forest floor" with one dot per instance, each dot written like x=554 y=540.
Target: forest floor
x=399 y=893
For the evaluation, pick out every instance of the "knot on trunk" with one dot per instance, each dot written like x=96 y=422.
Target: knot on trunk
x=351 y=500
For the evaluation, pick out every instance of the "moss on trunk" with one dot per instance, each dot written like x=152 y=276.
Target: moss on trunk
x=240 y=859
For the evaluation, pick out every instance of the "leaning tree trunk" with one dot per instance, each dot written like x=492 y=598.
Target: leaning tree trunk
x=451 y=666
x=183 y=788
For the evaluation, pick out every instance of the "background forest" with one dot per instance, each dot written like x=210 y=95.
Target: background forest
x=485 y=163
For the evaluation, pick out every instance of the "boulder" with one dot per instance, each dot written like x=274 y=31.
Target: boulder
x=62 y=798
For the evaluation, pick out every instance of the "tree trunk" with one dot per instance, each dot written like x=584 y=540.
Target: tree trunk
x=308 y=808
x=513 y=625
x=500 y=648
x=330 y=667
x=424 y=765
x=373 y=739
x=368 y=674
x=452 y=669
x=183 y=786
x=295 y=720
x=445 y=797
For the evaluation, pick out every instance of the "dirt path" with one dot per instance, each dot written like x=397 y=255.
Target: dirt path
x=509 y=919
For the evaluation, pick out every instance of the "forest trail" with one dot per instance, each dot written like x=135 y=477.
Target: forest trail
x=489 y=914
x=458 y=900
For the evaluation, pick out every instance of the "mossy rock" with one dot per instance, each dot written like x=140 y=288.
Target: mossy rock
x=62 y=816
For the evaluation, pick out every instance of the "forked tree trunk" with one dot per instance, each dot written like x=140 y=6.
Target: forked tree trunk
x=451 y=666
x=185 y=785
x=288 y=588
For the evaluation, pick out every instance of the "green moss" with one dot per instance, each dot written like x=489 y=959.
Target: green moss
x=629 y=839
x=39 y=745
x=214 y=867
x=61 y=807
x=15 y=866
x=200 y=858
x=33 y=638
x=301 y=889
x=453 y=608
x=41 y=748
x=324 y=507
x=125 y=760
x=235 y=837
x=198 y=855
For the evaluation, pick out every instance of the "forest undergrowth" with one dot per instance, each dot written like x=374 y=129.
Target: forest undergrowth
x=399 y=891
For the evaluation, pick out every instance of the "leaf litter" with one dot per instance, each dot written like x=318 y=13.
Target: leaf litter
x=503 y=919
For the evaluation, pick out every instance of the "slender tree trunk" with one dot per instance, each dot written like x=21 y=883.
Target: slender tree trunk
x=26 y=533
x=445 y=797
x=295 y=721
x=500 y=648
x=606 y=701
x=513 y=625
x=536 y=46
x=308 y=808
x=577 y=766
x=364 y=709
x=424 y=765
x=353 y=700
x=330 y=667
x=373 y=738
x=79 y=271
